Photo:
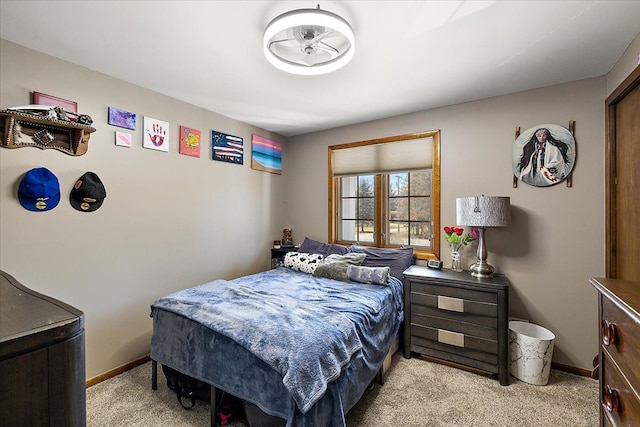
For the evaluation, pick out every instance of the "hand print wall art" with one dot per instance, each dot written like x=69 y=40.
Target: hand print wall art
x=189 y=141
x=156 y=134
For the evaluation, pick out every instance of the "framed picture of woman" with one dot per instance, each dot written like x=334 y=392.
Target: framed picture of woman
x=544 y=155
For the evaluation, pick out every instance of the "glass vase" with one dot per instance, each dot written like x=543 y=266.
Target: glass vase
x=456 y=261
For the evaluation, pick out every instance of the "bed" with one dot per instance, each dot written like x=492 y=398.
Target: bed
x=301 y=346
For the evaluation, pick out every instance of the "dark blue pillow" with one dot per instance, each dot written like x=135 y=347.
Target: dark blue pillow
x=398 y=260
x=325 y=249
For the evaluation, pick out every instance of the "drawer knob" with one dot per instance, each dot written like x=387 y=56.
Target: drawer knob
x=611 y=399
x=609 y=333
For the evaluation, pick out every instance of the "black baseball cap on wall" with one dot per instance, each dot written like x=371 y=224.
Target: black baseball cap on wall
x=88 y=193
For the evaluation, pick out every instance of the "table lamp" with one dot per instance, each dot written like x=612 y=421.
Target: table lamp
x=483 y=212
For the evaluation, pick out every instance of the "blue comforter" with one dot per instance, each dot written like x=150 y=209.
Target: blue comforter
x=305 y=328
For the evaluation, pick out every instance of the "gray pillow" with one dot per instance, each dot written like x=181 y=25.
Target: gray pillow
x=374 y=275
x=349 y=258
x=397 y=259
x=314 y=247
x=335 y=266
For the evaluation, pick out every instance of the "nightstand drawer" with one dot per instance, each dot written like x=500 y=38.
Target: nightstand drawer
x=455 y=340
x=622 y=334
x=464 y=356
x=619 y=402
x=418 y=288
x=463 y=310
x=482 y=328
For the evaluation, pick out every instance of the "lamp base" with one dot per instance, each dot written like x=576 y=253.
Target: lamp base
x=481 y=269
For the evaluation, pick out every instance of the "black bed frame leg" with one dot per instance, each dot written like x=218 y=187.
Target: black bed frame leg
x=214 y=405
x=154 y=375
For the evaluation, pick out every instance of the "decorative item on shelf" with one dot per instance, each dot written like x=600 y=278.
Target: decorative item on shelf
x=458 y=239
x=483 y=212
x=308 y=42
x=287 y=238
x=45 y=127
x=276 y=244
x=40 y=98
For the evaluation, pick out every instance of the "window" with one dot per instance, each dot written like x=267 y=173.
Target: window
x=409 y=212
x=386 y=193
x=357 y=209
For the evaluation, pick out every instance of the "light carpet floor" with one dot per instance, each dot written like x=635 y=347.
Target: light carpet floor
x=416 y=393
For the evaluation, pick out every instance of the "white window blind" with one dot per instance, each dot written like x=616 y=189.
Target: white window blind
x=385 y=157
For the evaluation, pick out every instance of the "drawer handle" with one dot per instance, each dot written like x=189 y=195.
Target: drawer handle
x=451 y=338
x=451 y=304
x=611 y=399
x=609 y=333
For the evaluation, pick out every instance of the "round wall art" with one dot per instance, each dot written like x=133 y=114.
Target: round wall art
x=544 y=155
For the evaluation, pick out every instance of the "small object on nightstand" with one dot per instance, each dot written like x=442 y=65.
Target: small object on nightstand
x=276 y=244
x=434 y=263
x=287 y=238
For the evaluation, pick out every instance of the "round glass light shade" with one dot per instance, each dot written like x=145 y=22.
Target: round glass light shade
x=308 y=42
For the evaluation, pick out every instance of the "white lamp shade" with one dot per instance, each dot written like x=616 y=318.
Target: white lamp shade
x=483 y=211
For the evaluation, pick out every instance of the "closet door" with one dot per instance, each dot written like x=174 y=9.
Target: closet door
x=623 y=180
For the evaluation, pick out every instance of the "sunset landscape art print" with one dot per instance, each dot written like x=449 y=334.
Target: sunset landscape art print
x=266 y=155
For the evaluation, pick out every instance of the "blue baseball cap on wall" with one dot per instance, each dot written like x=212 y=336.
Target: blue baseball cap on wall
x=39 y=190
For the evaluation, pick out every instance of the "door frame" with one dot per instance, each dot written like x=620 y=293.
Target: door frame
x=629 y=84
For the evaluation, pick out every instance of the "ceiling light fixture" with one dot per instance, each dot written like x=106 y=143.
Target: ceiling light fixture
x=309 y=42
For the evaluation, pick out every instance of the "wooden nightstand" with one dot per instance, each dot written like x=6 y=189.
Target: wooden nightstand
x=457 y=318
x=277 y=255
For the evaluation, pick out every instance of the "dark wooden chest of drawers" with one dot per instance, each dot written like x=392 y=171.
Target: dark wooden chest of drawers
x=457 y=318
x=42 y=365
x=619 y=356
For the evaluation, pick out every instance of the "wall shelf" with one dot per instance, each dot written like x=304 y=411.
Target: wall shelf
x=20 y=129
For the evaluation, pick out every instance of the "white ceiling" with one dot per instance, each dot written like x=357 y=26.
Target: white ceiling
x=410 y=55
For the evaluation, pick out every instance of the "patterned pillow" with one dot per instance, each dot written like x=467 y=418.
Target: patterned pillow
x=374 y=275
x=301 y=261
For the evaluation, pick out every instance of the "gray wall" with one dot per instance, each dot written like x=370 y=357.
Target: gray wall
x=629 y=60
x=169 y=221
x=556 y=240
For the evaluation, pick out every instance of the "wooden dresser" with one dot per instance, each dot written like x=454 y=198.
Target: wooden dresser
x=42 y=366
x=619 y=315
x=457 y=318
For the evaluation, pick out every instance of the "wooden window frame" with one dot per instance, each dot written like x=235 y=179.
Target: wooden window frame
x=380 y=205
